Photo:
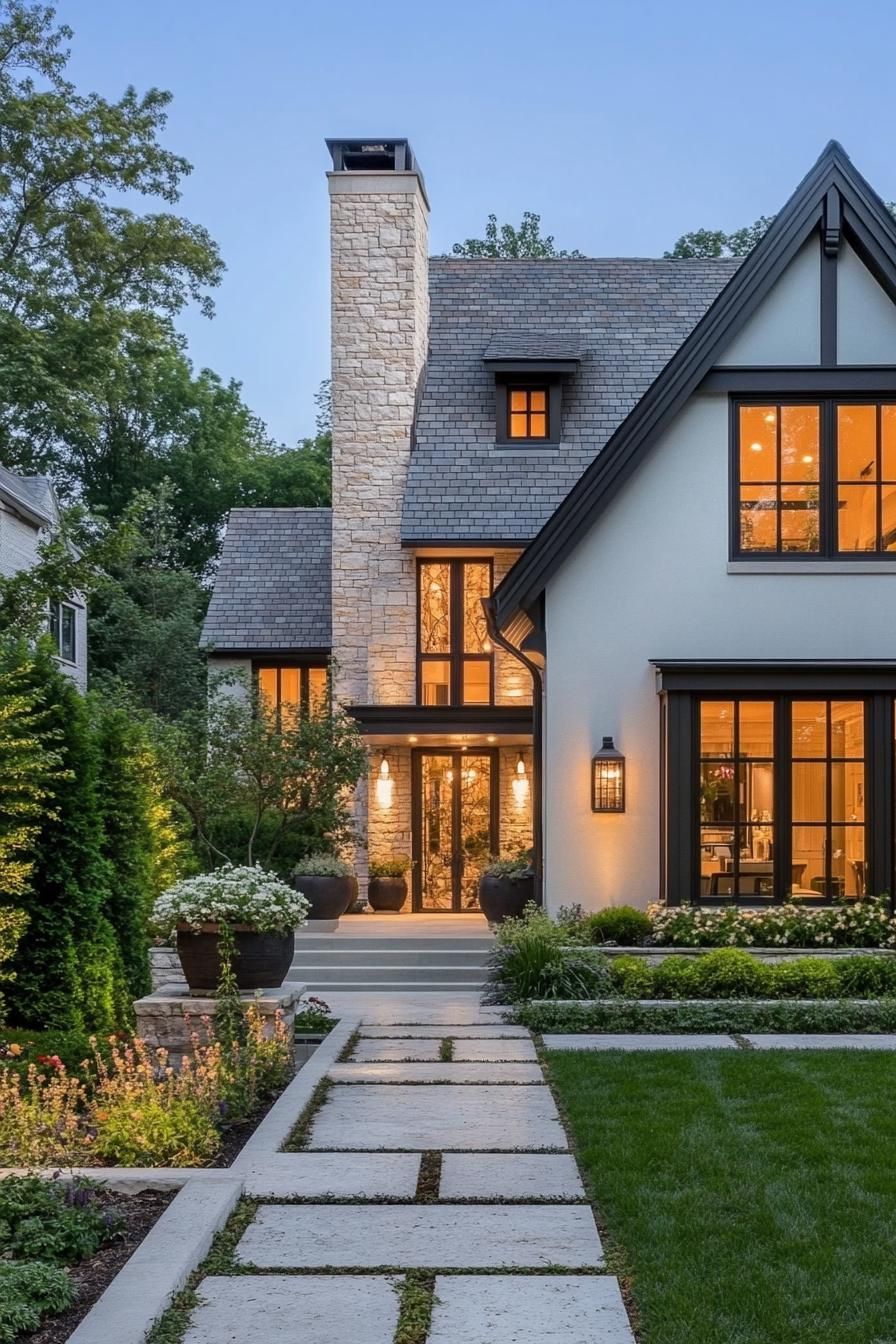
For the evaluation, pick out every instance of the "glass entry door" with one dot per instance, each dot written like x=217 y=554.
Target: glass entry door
x=455 y=827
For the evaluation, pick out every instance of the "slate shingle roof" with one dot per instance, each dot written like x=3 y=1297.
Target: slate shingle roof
x=34 y=493
x=624 y=317
x=272 y=589
x=533 y=345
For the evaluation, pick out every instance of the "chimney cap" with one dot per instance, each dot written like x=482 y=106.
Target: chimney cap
x=373 y=154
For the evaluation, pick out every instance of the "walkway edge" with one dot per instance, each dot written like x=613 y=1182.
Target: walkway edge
x=178 y=1243
x=278 y=1124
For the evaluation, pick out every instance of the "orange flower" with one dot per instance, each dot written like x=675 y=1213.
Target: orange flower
x=14 y=1049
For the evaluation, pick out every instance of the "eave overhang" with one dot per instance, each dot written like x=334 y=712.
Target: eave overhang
x=776 y=675
x=501 y=722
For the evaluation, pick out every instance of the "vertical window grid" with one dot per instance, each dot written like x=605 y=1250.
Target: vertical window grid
x=455 y=659
x=527 y=413
x=290 y=690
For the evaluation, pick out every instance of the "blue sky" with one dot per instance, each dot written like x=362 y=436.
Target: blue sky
x=622 y=124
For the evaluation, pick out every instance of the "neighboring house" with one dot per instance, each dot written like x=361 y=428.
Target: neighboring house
x=29 y=513
x=674 y=485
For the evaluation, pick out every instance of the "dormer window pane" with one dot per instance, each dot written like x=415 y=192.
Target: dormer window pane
x=528 y=418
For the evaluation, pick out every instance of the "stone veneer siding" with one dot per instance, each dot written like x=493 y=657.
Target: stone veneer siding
x=380 y=316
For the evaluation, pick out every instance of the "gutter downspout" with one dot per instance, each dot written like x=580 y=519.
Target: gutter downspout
x=489 y=607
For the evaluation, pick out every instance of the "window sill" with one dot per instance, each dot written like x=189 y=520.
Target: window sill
x=548 y=447
x=812 y=567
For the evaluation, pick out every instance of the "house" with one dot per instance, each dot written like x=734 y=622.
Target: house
x=608 y=570
x=29 y=514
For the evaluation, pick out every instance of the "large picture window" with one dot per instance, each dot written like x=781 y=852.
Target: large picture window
x=780 y=801
x=455 y=661
x=815 y=479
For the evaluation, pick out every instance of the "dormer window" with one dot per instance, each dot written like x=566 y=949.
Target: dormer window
x=527 y=413
x=530 y=371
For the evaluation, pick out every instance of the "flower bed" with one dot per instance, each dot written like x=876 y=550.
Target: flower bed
x=866 y=923
x=129 y=1106
x=61 y=1244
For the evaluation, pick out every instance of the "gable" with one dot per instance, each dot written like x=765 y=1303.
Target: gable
x=833 y=206
x=786 y=327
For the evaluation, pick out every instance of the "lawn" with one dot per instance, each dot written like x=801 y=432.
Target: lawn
x=745 y=1197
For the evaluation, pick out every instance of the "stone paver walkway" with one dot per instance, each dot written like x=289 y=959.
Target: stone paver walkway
x=456 y=1166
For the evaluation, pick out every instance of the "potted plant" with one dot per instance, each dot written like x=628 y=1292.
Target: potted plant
x=327 y=883
x=506 y=887
x=388 y=886
x=262 y=914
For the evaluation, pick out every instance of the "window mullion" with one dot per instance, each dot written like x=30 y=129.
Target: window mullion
x=828 y=475
x=781 y=798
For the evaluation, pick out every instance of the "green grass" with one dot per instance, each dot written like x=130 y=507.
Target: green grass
x=745 y=1198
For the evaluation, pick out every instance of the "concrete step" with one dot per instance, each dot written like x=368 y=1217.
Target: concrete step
x=336 y=942
x=393 y=986
x=373 y=974
x=375 y=956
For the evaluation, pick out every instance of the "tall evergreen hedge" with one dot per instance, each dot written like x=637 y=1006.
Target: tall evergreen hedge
x=103 y=846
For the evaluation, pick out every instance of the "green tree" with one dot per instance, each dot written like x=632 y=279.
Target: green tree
x=146 y=612
x=507 y=241
x=259 y=790
x=717 y=243
x=68 y=968
x=81 y=278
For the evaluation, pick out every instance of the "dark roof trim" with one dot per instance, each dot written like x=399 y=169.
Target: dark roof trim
x=533 y=365
x=462 y=544
x=872 y=232
x=420 y=719
x=800 y=379
x=800 y=675
x=286 y=655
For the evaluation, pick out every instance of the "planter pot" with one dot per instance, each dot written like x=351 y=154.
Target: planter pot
x=261 y=963
x=387 y=893
x=503 y=897
x=330 y=897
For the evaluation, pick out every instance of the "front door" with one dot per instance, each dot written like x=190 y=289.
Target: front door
x=455 y=827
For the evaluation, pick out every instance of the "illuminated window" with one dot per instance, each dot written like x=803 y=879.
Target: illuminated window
x=816 y=479
x=289 y=690
x=454 y=653
x=527 y=413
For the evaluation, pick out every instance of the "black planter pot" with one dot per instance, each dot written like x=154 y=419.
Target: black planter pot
x=387 y=893
x=330 y=897
x=261 y=962
x=503 y=897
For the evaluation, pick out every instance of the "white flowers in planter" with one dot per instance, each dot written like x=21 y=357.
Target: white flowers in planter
x=235 y=895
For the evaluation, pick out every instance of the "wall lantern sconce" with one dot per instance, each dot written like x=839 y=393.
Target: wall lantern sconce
x=608 y=779
x=520 y=782
x=384 y=783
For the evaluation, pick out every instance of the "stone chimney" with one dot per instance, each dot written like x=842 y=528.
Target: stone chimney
x=379 y=217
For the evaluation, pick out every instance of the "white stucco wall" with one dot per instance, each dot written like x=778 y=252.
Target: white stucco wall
x=866 y=319
x=652 y=580
x=786 y=327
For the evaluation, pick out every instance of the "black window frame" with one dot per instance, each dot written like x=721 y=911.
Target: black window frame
x=680 y=792
x=549 y=384
x=62 y=614
x=456 y=656
x=828 y=479
x=305 y=665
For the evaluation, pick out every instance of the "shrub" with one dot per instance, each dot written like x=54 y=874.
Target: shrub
x=396 y=865
x=12 y=926
x=728 y=1016
x=673 y=978
x=42 y=1118
x=53 y=1221
x=313 y=1015
x=233 y=896
x=28 y=1292
x=867 y=977
x=620 y=924
x=322 y=865
x=803 y=978
x=632 y=977
x=727 y=973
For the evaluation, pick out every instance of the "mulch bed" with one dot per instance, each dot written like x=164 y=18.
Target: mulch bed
x=92 y=1277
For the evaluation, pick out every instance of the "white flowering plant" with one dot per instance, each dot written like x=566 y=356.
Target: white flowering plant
x=862 y=923
x=231 y=895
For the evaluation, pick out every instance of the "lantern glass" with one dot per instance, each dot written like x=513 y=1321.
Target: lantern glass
x=608 y=779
